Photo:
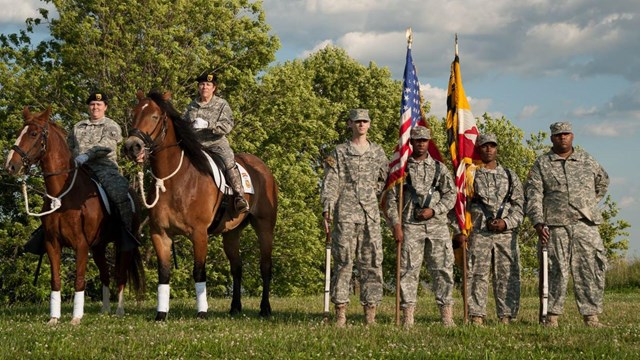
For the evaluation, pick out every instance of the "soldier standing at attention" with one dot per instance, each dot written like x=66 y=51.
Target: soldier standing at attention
x=429 y=194
x=355 y=174
x=94 y=142
x=496 y=211
x=563 y=190
x=212 y=119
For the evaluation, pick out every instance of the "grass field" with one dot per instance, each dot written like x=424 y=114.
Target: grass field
x=296 y=331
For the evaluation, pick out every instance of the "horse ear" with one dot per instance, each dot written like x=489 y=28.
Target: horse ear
x=47 y=113
x=140 y=94
x=26 y=113
x=166 y=96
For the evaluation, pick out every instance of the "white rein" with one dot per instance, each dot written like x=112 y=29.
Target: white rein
x=56 y=202
x=159 y=183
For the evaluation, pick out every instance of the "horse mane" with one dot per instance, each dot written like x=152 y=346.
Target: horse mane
x=185 y=135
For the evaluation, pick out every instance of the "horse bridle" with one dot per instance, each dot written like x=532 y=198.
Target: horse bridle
x=151 y=143
x=27 y=160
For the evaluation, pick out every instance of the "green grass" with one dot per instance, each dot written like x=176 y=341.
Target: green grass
x=296 y=331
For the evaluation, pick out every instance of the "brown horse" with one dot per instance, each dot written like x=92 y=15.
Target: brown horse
x=190 y=200
x=80 y=221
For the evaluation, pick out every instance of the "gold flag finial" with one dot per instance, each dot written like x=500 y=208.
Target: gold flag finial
x=409 y=35
x=456 y=44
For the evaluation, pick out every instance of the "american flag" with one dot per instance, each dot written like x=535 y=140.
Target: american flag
x=411 y=114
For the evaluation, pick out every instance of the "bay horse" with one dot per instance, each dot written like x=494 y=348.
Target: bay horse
x=190 y=200
x=80 y=221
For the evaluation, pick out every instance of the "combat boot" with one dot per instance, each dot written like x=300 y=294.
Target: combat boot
x=341 y=315
x=552 y=320
x=235 y=180
x=592 y=321
x=505 y=320
x=407 y=316
x=369 y=314
x=446 y=315
x=477 y=320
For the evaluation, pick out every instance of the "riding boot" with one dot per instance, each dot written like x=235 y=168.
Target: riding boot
x=592 y=321
x=235 y=180
x=126 y=217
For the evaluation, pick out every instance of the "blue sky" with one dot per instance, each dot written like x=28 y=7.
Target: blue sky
x=533 y=61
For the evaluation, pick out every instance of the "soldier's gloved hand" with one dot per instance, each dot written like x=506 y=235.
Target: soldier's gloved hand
x=81 y=159
x=199 y=123
x=397 y=233
x=425 y=214
x=497 y=225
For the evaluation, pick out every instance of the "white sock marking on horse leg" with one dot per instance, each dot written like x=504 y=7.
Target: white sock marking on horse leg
x=120 y=309
x=163 y=297
x=55 y=304
x=78 y=305
x=201 y=296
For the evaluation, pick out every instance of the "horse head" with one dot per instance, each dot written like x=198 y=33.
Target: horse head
x=31 y=143
x=148 y=128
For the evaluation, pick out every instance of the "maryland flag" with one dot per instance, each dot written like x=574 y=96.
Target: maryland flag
x=461 y=137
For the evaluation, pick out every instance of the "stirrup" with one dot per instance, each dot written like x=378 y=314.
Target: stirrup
x=241 y=204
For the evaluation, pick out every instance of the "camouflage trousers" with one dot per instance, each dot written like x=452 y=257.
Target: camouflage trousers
x=117 y=188
x=431 y=243
x=497 y=254
x=222 y=148
x=578 y=249
x=362 y=244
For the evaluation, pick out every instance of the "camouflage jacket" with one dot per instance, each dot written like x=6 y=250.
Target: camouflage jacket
x=490 y=189
x=217 y=113
x=353 y=183
x=560 y=192
x=420 y=176
x=99 y=140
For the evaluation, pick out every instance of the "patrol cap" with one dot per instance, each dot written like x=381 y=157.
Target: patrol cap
x=98 y=96
x=208 y=76
x=485 y=139
x=560 y=128
x=420 y=132
x=359 y=114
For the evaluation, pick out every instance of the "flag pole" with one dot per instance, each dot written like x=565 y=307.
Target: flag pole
x=465 y=295
x=409 y=36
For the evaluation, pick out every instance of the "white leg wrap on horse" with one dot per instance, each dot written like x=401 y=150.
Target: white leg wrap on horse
x=201 y=296
x=78 y=305
x=163 y=297
x=55 y=304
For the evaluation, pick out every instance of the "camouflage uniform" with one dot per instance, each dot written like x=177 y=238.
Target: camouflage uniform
x=430 y=238
x=564 y=195
x=99 y=141
x=489 y=250
x=352 y=183
x=219 y=121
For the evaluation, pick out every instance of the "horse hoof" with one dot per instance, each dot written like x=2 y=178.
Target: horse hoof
x=120 y=312
x=266 y=313
x=201 y=315
x=75 y=321
x=53 y=321
x=235 y=311
x=161 y=316
x=105 y=310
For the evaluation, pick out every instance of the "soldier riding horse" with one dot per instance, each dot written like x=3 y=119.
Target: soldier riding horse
x=187 y=200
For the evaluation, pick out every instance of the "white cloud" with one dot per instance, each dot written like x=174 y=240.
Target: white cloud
x=16 y=12
x=627 y=202
x=319 y=46
x=612 y=128
x=528 y=111
x=583 y=112
x=342 y=6
x=438 y=99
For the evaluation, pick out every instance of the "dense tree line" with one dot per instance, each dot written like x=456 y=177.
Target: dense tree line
x=289 y=114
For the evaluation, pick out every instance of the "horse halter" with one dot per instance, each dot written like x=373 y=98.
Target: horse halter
x=152 y=144
x=27 y=160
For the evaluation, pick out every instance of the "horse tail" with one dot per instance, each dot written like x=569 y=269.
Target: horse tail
x=135 y=273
